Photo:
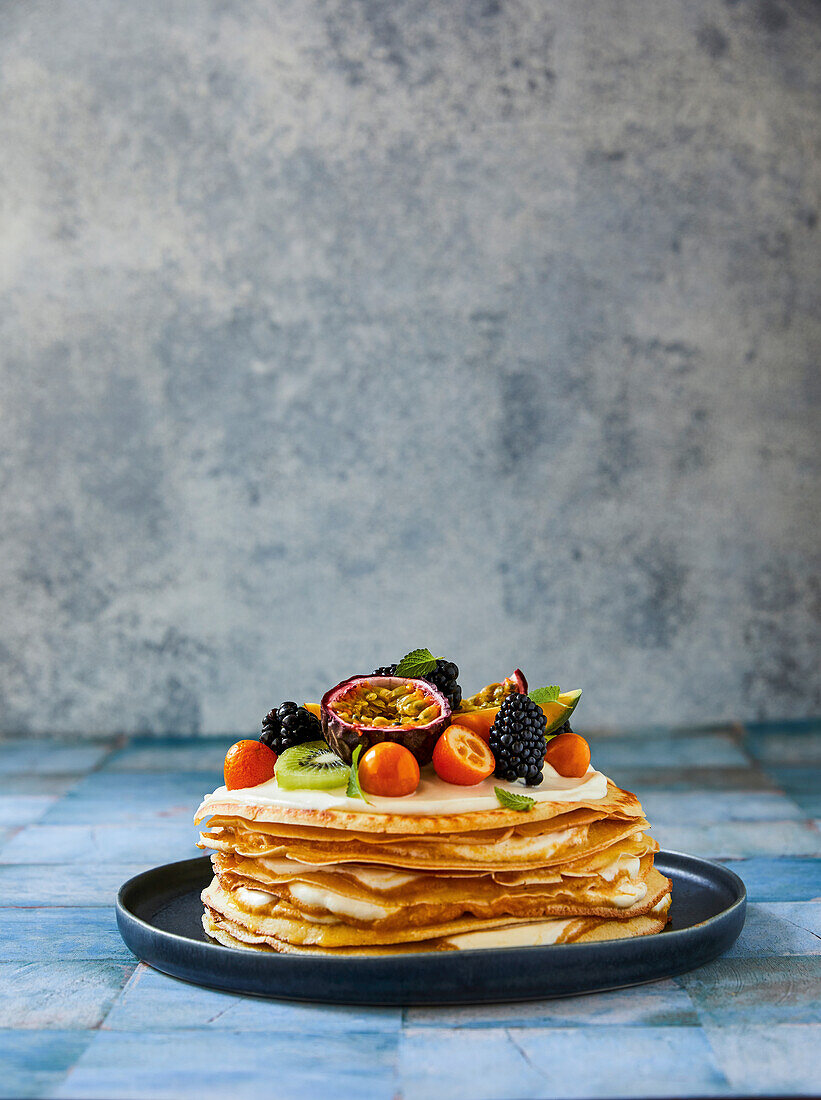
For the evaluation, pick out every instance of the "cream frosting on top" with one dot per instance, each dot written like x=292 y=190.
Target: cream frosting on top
x=433 y=796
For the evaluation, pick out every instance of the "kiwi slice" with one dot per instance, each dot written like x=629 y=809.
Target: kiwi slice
x=312 y=766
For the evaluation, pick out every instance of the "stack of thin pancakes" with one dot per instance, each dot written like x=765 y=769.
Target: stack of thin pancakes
x=307 y=881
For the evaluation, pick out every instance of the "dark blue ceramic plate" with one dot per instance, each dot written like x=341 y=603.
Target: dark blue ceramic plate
x=159 y=913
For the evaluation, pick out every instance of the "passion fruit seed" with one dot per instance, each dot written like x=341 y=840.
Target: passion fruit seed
x=491 y=696
x=368 y=710
x=444 y=676
x=494 y=695
x=369 y=705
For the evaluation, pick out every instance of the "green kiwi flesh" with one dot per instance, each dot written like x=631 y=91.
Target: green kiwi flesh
x=311 y=766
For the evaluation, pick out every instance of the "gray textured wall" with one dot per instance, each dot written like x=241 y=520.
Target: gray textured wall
x=329 y=330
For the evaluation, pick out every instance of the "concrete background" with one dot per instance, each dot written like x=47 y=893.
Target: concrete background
x=329 y=330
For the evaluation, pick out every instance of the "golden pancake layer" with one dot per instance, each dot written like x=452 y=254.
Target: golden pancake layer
x=335 y=879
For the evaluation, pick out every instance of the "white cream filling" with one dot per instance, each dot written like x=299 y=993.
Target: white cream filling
x=254 y=899
x=630 y=894
x=375 y=878
x=432 y=797
x=528 y=935
x=521 y=847
x=319 y=898
x=630 y=864
x=288 y=866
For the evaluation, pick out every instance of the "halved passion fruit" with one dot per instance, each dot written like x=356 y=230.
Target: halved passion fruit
x=368 y=709
x=493 y=695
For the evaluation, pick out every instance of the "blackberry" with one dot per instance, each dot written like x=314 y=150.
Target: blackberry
x=289 y=725
x=444 y=677
x=517 y=740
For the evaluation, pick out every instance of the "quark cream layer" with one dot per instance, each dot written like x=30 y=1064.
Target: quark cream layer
x=433 y=797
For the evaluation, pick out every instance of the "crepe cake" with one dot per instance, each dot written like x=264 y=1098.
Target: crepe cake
x=446 y=868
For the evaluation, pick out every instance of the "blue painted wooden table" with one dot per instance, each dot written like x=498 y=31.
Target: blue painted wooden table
x=80 y=1018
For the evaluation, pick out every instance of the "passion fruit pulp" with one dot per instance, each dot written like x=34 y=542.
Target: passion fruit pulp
x=493 y=695
x=366 y=710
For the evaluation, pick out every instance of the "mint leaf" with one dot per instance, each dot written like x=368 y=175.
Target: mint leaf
x=545 y=695
x=512 y=801
x=416 y=664
x=354 y=790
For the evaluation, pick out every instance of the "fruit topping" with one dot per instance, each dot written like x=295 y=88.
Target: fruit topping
x=556 y=706
x=443 y=674
x=389 y=770
x=479 y=721
x=368 y=710
x=289 y=725
x=445 y=677
x=247 y=764
x=517 y=740
x=569 y=755
x=462 y=757
x=311 y=766
x=493 y=695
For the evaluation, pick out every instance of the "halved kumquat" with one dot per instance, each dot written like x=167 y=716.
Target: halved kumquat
x=460 y=756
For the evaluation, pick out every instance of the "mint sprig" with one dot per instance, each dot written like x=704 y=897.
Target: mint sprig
x=354 y=790
x=512 y=801
x=416 y=664
x=545 y=695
